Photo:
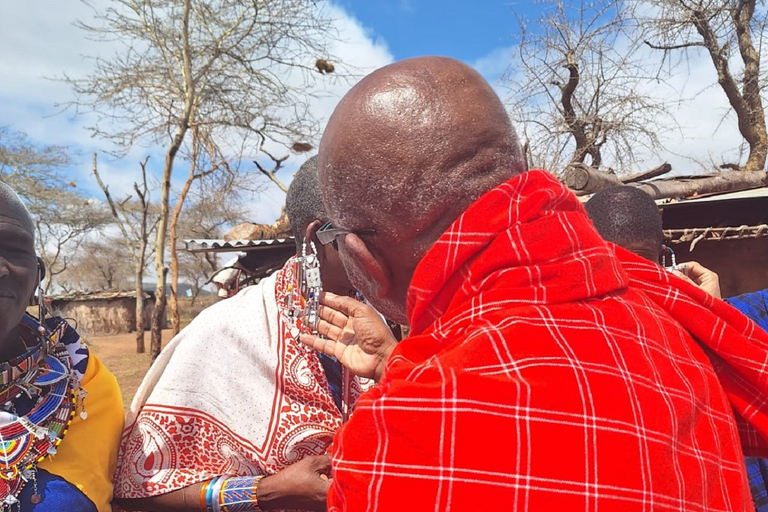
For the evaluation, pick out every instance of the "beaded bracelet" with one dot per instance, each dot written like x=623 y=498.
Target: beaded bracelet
x=239 y=494
x=203 y=492
x=216 y=492
x=208 y=491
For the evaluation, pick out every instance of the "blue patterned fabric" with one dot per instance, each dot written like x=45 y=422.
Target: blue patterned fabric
x=78 y=352
x=755 y=307
x=757 y=472
x=58 y=495
x=333 y=373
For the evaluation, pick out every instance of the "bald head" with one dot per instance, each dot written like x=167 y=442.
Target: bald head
x=415 y=140
x=409 y=148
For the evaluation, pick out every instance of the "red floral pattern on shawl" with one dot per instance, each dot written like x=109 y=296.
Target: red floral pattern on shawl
x=233 y=394
x=541 y=375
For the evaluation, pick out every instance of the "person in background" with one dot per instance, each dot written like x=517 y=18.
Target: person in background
x=61 y=412
x=629 y=218
x=523 y=385
x=234 y=408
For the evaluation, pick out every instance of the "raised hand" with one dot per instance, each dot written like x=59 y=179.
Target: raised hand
x=353 y=333
x=702 y=277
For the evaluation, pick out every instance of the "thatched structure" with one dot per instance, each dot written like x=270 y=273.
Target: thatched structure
x=98 y=313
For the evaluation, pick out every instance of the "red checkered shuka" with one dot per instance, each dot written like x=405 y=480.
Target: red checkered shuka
x=549 y=370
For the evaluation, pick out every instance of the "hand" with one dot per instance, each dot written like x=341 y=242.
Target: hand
x=702 y=277
x=303 y=485
x=357 y=336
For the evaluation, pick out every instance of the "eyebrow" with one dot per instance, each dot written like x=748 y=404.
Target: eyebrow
x=15 y=229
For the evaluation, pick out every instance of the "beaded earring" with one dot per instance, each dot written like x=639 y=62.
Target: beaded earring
x=41 y=312
x=311 y=285
x=668 y=250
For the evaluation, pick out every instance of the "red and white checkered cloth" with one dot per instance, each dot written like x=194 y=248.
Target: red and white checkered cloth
x=549 y=370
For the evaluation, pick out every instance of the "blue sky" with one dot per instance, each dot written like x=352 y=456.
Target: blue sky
x=41 y=41
x=45 y=44
x=464 y=30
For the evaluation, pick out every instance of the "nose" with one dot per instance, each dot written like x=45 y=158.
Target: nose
x=4 y=270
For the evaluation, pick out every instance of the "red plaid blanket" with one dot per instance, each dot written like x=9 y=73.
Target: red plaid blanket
x=549 y=370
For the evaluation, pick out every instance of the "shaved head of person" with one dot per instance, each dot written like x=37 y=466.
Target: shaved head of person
x=406 y=151
x=18 y=269
x=628 y=217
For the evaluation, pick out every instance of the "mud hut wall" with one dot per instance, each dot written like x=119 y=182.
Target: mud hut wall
x=102 y=316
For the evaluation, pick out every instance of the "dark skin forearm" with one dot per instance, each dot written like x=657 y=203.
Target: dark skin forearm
x=274 y=492
x=186 y=499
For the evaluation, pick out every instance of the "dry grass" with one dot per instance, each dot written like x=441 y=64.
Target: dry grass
x=118 y=352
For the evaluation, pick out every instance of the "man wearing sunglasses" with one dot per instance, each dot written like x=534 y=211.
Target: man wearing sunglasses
x=544 y=371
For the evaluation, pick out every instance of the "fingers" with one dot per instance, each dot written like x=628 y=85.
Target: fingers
x=322 y=463
x=322 y=345
x=345 y=305
x=706 y=279
x=329 y=330
x=332 y=316
x=684 y=277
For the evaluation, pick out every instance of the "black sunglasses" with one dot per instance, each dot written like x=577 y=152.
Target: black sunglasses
x=327 y=234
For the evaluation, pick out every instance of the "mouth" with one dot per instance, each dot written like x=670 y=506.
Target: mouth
x=7 y=295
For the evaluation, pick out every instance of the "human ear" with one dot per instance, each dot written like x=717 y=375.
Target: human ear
x=310 y=235
x=371 y=262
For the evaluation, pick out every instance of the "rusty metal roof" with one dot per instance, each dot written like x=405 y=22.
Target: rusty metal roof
x=221 y=245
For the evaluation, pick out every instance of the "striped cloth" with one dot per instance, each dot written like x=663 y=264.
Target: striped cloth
x=549 y=370
x=755 y=306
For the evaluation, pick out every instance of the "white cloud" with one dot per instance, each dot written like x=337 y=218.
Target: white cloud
x=45 y=43
x=708 y=132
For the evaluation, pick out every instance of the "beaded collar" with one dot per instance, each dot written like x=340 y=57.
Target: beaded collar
x=28 y=438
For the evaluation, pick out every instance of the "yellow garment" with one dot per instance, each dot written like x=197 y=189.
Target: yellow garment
x=87 y=456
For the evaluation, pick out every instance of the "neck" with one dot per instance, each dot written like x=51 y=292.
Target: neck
x=12 y=346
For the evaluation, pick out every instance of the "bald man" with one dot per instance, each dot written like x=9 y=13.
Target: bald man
x=543 y=371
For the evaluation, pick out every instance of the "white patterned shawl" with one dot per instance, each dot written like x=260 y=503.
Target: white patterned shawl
x=231 y=394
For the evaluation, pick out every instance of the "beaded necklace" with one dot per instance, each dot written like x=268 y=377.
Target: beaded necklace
x=27 y=439
x=300 y=308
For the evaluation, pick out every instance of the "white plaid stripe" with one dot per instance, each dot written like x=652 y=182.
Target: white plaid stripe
x=545 y=381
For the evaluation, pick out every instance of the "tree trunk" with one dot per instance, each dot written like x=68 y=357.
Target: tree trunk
x=174 y=302
x=758 y=150
x=653 y=173
x=584 y=180
x=139 y=275
x=732 y=181
x=158 y=320
x=158 y=315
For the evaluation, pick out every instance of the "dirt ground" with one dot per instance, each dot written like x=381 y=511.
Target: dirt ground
x=118 y=352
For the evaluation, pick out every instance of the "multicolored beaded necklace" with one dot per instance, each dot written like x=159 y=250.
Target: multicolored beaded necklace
x=43 y=374
x=300 y=308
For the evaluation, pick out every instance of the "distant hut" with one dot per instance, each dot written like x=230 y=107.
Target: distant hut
x=99 y=313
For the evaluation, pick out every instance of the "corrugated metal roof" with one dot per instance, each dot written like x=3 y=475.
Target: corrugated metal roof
x=220 y=245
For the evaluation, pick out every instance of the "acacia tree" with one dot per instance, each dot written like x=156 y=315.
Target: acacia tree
x=101 y=264
x=61 y=214
x=576 y=87
x=212 y=208
x=204 y=162
x=137 y=220
x=239 y=69
x=731 y=33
